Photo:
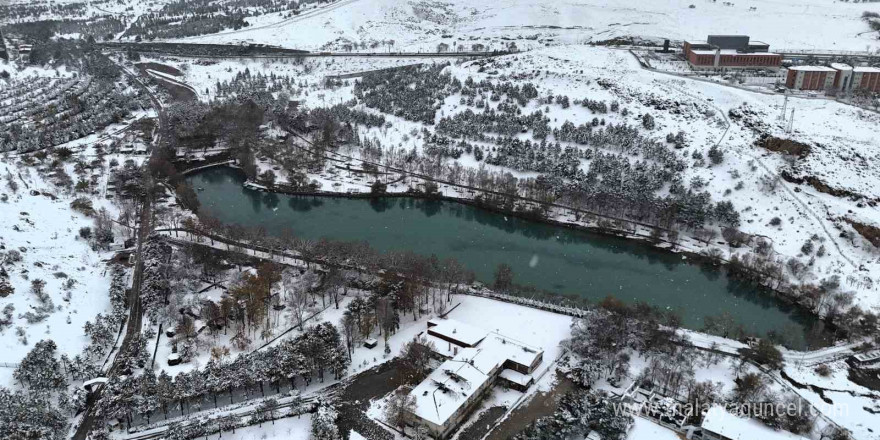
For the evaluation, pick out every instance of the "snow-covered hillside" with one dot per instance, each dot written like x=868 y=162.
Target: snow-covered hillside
x=44 y=233
x=423 y=24
x=844 y=150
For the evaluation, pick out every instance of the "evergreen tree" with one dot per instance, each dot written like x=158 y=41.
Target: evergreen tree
x=39 y=369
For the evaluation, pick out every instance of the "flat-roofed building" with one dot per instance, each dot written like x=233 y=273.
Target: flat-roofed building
x=838 y=76
x=866 y=78
x=866 y=359
x=718 y=424
x=810 y=78
x=730 y=52
x=458 y=333
x=843 y=75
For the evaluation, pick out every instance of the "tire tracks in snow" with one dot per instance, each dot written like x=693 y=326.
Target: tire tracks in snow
x=782 y=182
x=304 y=16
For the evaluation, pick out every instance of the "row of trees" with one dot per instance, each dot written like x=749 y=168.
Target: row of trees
x=305 y=358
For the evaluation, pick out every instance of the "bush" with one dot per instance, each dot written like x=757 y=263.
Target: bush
x=716 y=155
x=83 y=205
x=734 y=237
x=85 y=232
x=823 y=370
x=648 y=121
x=807 y=248
x=775 y=221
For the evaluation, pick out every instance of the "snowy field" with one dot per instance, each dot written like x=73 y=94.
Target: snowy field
x=422 y=25
x=45 y=233
x=646 y=430
x=290 y=428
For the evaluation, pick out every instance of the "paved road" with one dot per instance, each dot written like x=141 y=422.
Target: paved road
x=468 y=54
x=135 y=313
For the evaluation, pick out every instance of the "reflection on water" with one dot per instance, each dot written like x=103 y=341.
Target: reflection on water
x=552 y=258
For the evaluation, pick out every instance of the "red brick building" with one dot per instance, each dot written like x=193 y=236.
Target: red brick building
x=837 y=77
x=810 y=78
x=730 y=52
x=866 y=78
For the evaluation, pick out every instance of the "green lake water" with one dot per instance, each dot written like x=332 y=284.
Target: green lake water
x=548 y=257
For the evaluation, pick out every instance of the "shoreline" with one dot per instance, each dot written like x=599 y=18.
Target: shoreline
x=689 y=256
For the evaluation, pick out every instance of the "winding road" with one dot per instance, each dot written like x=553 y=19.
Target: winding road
x=135 y=313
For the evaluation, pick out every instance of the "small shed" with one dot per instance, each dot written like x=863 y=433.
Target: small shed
x=370 y=343
x=867 y=358
x=90 y=385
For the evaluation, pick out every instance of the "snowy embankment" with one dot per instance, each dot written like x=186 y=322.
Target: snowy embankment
x=548 y=330
x=423 y=25
x=43 y=231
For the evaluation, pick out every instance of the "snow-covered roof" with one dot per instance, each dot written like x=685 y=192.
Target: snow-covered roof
x=812 y=68
x=868 y=356
x=732 y=52
x=866 y=69
x=455 y=381
x=95 y=381
x=508 y=349
x=516 y=377
x=841 y=66
x=719 y=421
x=452 y=385
x=459 y=331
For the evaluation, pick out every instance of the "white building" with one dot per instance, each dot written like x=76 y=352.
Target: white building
x=718 y=424
x=476 y=360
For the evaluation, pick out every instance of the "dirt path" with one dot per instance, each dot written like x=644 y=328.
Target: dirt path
x=355 y=400
x=476 y=430
x=541 y=404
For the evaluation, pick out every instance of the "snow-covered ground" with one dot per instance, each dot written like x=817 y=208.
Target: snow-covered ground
x=844 y=148
x=289 y=428
x=423 y=24
x=644 y=429
x=45 y=233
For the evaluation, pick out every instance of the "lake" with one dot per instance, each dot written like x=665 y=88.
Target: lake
x=551 y=258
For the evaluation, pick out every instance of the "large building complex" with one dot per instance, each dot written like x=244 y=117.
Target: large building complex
x=838 y=76
x=730 y=52
x=475 y=361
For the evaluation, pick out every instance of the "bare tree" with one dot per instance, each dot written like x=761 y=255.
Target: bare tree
x=400 y=404
x=295 y=296
x=333 y=280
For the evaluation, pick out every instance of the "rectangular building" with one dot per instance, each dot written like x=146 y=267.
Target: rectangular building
x=866 y=78
x=457 y=333
x=719 y=424
x=730 y=52
x=838 y=76
x=476 y=361
x=810 y=78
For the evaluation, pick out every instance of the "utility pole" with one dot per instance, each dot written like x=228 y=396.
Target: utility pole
x=790 y=122
x=784 y=107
